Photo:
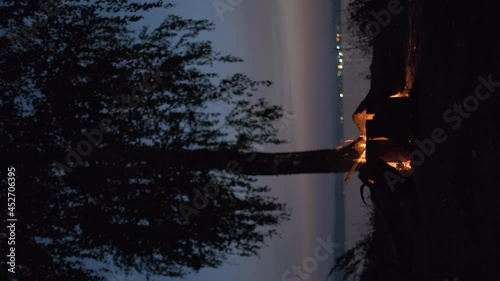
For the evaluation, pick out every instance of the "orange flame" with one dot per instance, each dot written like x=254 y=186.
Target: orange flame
x=400 y=95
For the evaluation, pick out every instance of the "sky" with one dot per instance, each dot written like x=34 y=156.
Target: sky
x=290 y=42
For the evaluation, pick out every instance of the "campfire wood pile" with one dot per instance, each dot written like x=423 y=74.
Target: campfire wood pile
x=386 y=132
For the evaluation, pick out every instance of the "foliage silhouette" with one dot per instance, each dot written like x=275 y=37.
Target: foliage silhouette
x=112 y=130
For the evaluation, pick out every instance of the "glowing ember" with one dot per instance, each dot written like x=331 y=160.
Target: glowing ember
x=400 y=95
x=406 y=165
x=362 y=158
x=401 y=166
x=360 y=147
x=360 y=121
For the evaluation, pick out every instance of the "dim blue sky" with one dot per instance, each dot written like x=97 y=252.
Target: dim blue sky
x=289 y=42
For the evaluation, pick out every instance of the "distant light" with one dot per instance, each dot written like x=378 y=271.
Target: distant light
x=341 y=118
x=339 y=66
x=340 y=53
x=341 y=95
x=340 y=60
x=338 y=47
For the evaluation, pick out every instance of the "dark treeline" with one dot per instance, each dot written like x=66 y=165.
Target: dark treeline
x=118 y=152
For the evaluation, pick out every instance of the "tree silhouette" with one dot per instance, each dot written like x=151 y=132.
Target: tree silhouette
x=118 y=150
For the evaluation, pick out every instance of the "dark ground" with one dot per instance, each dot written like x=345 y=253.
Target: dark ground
x=458 y=191
x=449 y=229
